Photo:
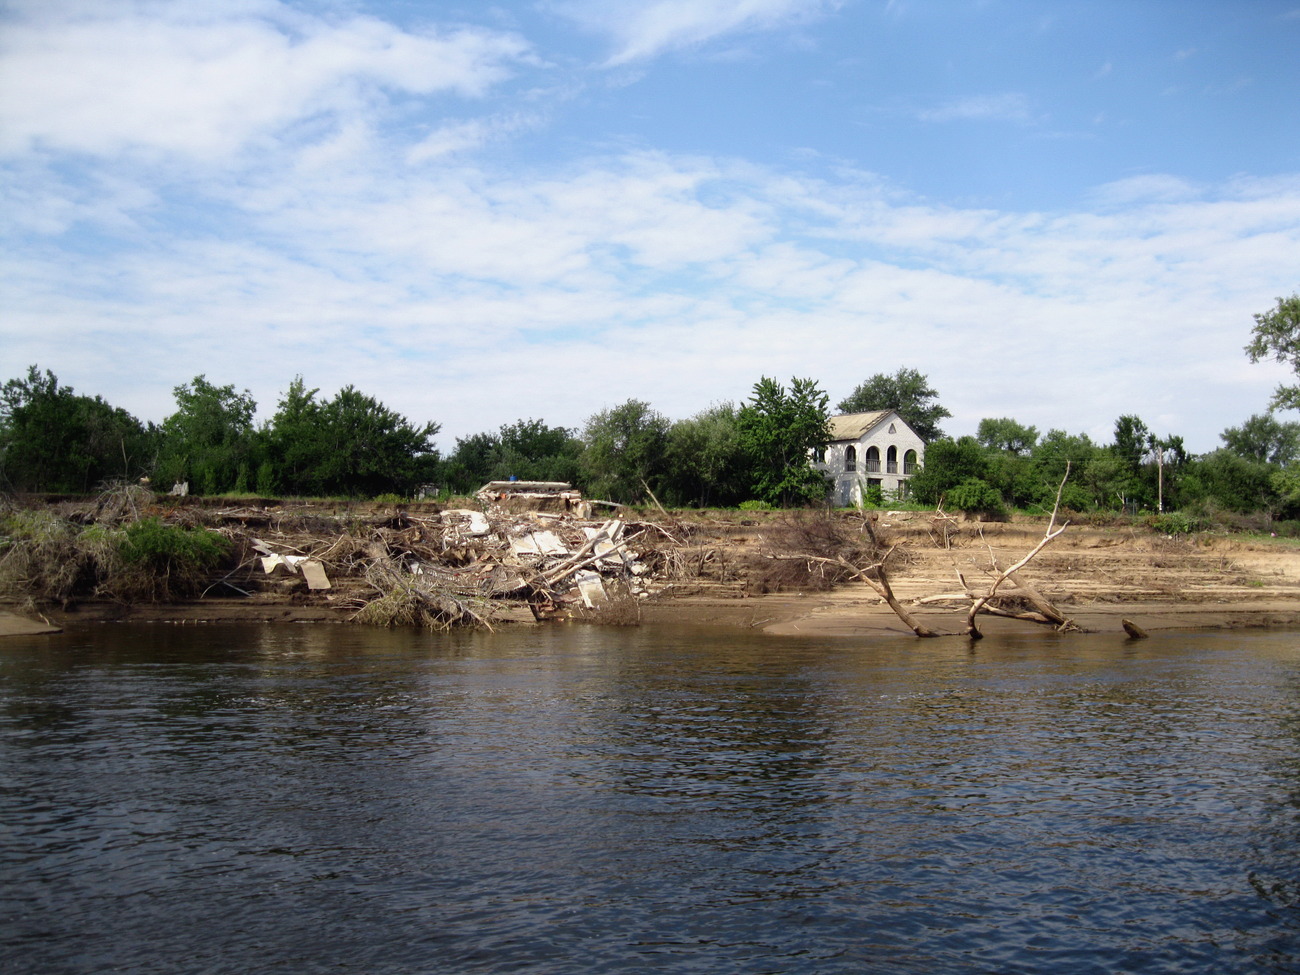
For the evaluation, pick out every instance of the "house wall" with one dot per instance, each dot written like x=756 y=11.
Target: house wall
x=848 y=486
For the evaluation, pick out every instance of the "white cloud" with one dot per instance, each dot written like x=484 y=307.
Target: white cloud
x=1006 y=107
x=643 y=29
x=678 y=280
x=378 y=249
x=463 y=136
x=193 y=80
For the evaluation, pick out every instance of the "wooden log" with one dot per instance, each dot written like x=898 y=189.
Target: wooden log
x=1134 y=631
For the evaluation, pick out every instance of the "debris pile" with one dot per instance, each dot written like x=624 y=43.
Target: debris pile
x=451 y=567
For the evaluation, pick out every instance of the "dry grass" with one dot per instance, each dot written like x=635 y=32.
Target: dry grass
x=47 y=558
x=789 y=560
x=620 y=608
x=427 y=600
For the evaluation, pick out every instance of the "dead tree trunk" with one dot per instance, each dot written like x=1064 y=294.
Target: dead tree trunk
x=980 y=603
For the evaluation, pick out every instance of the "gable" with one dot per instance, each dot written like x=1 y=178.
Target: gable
x=856 y=426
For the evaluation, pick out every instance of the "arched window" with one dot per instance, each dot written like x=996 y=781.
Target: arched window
x=850 y=458
x=873 y=460
x=891 y=461
x=909 y=462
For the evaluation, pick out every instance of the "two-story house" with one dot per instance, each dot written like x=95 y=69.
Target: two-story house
x=868 y=450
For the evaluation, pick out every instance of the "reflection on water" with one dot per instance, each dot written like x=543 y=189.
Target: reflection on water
x=233 y=799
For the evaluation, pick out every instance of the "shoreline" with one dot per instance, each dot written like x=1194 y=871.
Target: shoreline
x=722 y=569
x=840 y=614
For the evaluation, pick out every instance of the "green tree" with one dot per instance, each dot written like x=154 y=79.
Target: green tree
x=208 y=441
x=52 y=439
x=908 y=393
x=948 y=464
x=1264 y=438
x=367 y=449
x=350 y=445
x=470 y=465
x=1093 y=472
x=532 y=451
x=1150 y=465
x=1234 y=482
x=1276 y=335
x=1004 y=433
x=623 y=451
x=705 y=459
x=291 y=443
x=528 y=450
x=975 y=496
x=1013 y=476
x=779 y=431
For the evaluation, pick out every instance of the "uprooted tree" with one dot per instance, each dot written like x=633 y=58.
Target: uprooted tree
x=1005 y=595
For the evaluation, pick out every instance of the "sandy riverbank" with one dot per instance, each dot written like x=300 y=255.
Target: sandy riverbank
x=708 y=568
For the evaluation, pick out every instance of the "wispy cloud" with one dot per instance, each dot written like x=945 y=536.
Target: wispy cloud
x=1006 y=107
x=240 y=188
x=676 y=279
x=463 y=136
x=643 y=29
x=180 y=78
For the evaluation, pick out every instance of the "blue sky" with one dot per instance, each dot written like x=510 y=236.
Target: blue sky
x=481 y=212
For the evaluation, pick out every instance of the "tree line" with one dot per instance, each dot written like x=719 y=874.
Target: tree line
x=53 y=439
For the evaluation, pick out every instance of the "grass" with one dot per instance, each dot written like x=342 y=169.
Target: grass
x=49 y=559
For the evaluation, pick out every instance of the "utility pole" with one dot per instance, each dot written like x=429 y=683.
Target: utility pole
x=1160 y=478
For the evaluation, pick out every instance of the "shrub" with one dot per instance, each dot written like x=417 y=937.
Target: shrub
x=41 y=557
x=975 y=496
x=1176 y=523
x=160 y=562
x=755 y=506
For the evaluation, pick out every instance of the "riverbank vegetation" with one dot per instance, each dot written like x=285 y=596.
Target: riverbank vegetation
x=114 y=551
x=752 y=454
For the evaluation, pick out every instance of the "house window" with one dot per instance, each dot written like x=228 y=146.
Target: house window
x=909 y=462
x=873 y=460
x=892 y=429
x=850 y=459
x=891 y=461
x=819 y=455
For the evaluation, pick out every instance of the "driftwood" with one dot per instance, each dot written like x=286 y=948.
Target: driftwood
x=1134 y=631
x=1047 y=612
x=876 y=576
x=436 y=600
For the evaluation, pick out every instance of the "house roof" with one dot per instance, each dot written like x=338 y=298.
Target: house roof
x=851 y=426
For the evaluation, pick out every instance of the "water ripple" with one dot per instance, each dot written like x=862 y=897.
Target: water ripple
x=583 y=800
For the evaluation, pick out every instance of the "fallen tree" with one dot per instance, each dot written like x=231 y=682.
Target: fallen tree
x=991 y=601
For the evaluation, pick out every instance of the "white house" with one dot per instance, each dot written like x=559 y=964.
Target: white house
x=869 y=450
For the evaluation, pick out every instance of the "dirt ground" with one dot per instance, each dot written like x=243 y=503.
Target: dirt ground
x=1096 y=576
x=706 y=569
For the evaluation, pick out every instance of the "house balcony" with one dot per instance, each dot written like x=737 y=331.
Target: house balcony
x=872 y=467
x=891 y=468
x=910 y=468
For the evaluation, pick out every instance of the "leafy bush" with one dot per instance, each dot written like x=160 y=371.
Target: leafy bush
x=162 y=562
x=41 y=556
x=390 y=499
x=1177 y=523
x=755 y=506
x=975 y=496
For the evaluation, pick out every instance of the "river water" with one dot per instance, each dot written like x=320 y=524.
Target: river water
x=580 y=799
